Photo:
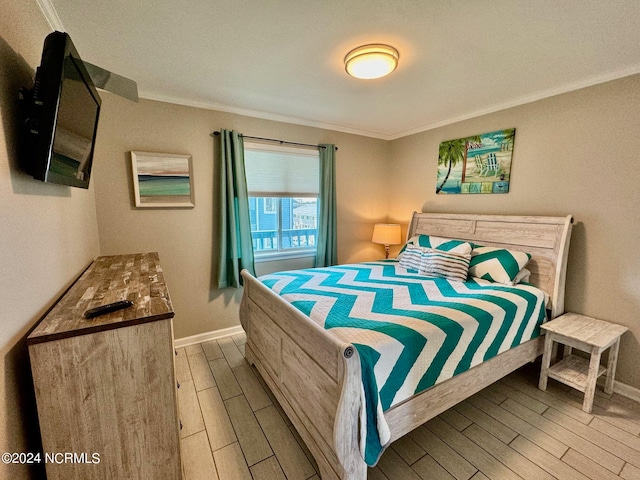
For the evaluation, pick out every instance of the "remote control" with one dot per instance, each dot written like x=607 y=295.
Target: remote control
x=108 y=308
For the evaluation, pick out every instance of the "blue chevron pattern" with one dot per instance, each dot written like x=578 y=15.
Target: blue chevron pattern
x=410 y=331
x=497 y=264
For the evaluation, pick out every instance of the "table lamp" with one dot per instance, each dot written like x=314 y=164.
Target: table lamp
x=386 y=234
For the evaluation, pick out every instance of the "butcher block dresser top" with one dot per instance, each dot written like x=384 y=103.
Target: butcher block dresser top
x=136 y=277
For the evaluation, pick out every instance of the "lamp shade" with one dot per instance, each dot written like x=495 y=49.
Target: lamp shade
x=371 y=61
x=386 y=234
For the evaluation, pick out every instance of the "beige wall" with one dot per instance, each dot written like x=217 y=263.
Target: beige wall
x=48 y=235
x=576 y=154
x=184 y=237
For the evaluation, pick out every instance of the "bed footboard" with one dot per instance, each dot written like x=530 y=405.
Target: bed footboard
x=315 y=378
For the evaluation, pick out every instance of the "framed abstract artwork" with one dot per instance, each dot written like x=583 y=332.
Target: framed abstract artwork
x=162 y=180
x=476 y=164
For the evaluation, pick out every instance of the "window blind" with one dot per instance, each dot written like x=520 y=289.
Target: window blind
x=279 y=171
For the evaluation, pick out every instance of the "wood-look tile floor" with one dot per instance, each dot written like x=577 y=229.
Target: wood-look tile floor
x=234 y=429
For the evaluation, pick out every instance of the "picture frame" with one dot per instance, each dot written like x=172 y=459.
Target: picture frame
x=478 y=164
x=162 y=180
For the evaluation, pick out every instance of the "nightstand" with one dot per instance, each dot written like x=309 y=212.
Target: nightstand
x=588 y=335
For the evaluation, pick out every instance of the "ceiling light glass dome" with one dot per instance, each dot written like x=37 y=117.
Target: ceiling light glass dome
x=371 y=61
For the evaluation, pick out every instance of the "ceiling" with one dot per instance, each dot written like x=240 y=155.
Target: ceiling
x=283 y=60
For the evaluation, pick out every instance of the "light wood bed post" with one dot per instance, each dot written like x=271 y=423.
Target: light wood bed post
x=315 y=377
x=347 y=418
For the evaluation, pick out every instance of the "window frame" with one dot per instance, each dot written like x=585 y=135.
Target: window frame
x=282 y=253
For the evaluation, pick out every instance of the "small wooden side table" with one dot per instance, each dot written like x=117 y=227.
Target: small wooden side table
x=588 y=335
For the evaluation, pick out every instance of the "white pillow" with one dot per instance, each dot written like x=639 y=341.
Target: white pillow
x=522 y=276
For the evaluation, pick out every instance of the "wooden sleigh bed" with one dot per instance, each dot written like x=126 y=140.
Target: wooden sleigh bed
x=316 y=377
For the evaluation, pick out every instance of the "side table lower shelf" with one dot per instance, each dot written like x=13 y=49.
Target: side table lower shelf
x=573 y=371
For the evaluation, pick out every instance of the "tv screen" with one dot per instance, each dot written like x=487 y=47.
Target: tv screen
x=63 y=121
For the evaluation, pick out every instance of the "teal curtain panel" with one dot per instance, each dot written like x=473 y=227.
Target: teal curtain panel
x=327 y=248
x=235 y=247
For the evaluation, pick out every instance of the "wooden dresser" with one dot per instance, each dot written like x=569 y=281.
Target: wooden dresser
x=105 y=387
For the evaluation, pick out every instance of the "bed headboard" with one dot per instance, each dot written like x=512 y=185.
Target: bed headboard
x=545 y=238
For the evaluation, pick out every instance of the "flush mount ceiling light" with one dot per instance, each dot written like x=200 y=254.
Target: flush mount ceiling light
x=371 y=61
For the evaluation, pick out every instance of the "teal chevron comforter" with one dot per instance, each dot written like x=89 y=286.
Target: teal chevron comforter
x=410 y=331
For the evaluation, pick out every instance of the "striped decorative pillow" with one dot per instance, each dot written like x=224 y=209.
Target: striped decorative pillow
x=439 y=243
x=411 y=257
x=497 y=264
x=449 y=265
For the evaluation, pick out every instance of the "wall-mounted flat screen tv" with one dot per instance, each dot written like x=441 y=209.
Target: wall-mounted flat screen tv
x=64 y=107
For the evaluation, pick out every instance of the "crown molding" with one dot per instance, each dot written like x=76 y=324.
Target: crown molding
x=50 y=14
x=552 y=92
x=260 y=114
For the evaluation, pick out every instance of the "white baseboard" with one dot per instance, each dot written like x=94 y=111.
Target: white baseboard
x=207 y=337
x=626 y=390
x=622 y=389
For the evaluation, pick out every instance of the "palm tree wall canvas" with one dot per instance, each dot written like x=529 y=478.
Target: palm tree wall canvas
x=476 y=164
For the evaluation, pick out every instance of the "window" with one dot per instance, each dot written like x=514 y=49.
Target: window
x=283 y=199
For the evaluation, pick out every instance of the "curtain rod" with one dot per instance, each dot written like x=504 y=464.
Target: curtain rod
x=216 y=133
